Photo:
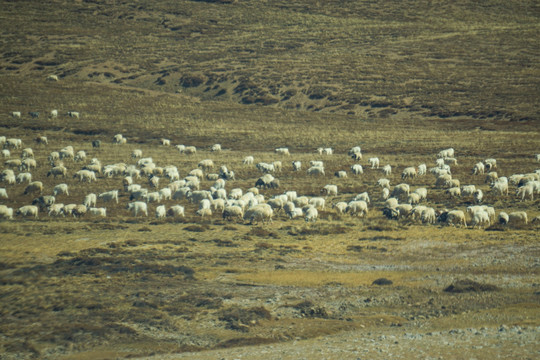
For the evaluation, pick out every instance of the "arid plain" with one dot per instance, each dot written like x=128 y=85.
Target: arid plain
x=401 y=79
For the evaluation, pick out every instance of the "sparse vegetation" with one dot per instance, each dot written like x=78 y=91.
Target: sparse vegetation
x=402 y=79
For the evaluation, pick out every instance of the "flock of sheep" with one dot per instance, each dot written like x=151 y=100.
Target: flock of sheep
x=147 y=184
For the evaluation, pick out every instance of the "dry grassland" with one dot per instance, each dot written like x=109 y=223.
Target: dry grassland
x=401 y=79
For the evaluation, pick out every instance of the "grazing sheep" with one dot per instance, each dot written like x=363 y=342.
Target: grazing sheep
x=422 y=169
x=317 y=202
x=384 y=183
x=480 y=218
x=24 y=177
x=283 y=151
x=248 y=160
x=491 y=178
x=315 y=171
x=206 y=164
x=356 y=156
x=44 y=201
x=33 y=187
x=216 y=148
x=52 y=77
x=455 y=218
x=94 y=211
x=311 y=214
x=292 y=211
x=391 y=203
x=232 y=212
x=119 y=139
x=446 y=153
x=490 y=164
x=277 y=166
x=526 y=191
x=90 y=200
x=153 y=197
x=357 y=169
x=478 y=196
x=165 y=142
x=422 y=192
x=136 y=154
x=468 y=190
x=16 y=114
x=385 y=193
x=428 y=216
x=357 y=208
x=27 y=153
x=401 y=189
x=503 y=218
x=387 y=170
x=6 y=153
x=96 y=144
x=408 y=173
x=61 y=189
x=374 y=162
x=161 y=212
x=109 y=196
x=259 y=213
x=13 y=163
x=53 y=114
x=454 y=192
x=517 y=218
x=190 y=150
x=362 y=196
x=478 y=168
x=6 y=212
x=28 y=210
x=3 y=193
x=85 y=176
x=138 y=207
x=301 y=201
x=413 y=199
x=354 y=150
x=340 y=207
x=341 y=174
x=297 y=165
x=176 y=211
x=330 y=190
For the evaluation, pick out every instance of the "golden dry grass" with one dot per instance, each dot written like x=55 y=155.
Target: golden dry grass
x=401 y=79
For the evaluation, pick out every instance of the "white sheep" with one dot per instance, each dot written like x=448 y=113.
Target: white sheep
x=90 y=200
x=311 y=214
x=468 y=190
x=233 y=212
x=408 y=173
x=330 y=190
x=161 y=212
x=6 y=153
x=385 y=193
x=401 y=189
x=24 y=177
x=259 y=213
x=297 y=165
x=387 y=169
x=28 y=210
x=98 y=211
x=357 y=208
x=3 y=193
x=109 y=196
x=413 y=199
x=165 y=142
x=176 y=211
x=456 y=217
x=517 y=218
x=480 y=218
x=363 y=197
x=478 y=196
x=33 y=187
x=85 y=175
x=16 y=114
x=384 y=183
x=454 y=192
x=316 y=171
x=282 y=151
x=478 y=168
x=428 y=216
x=526 y=191
x=60 y=189
x=341 y=174
x=216 y=148
x=6 y=212
x=317 y=202
x=138 y=207
x=422 y=169
x=446 y=153
x=357 y=169
x=340 y=207
x=374 y=162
